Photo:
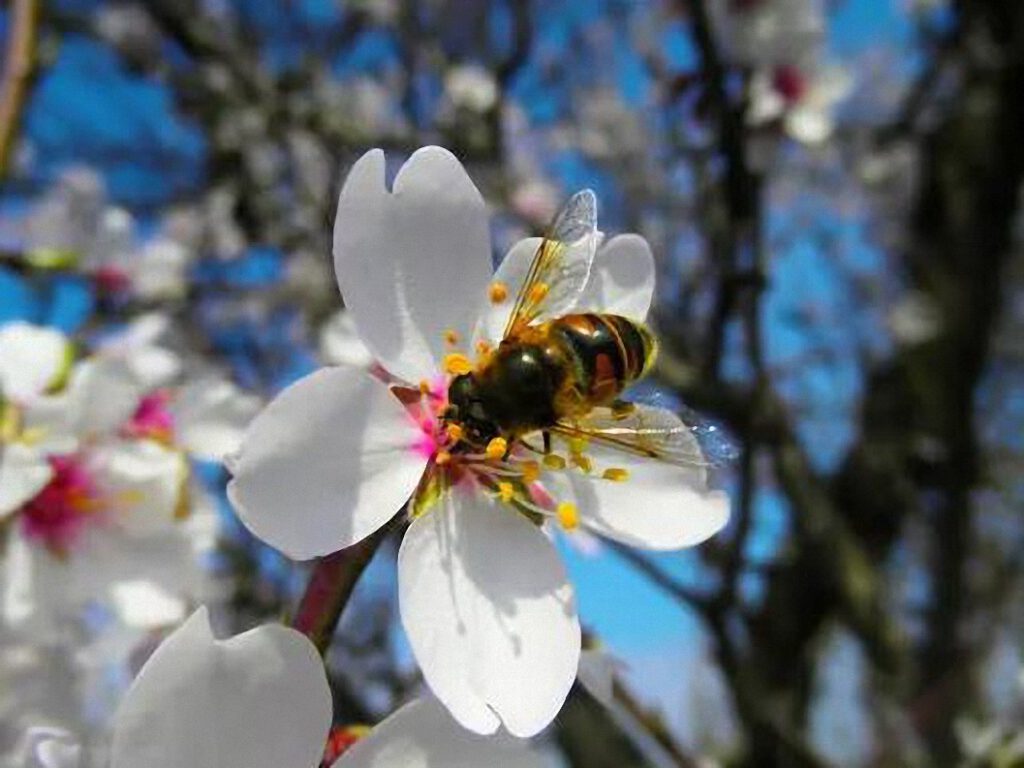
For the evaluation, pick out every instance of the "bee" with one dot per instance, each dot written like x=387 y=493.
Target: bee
x=564 y=374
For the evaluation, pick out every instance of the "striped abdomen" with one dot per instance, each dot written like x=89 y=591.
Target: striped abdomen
x=607 y=354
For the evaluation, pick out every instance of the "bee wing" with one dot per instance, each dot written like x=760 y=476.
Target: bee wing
x=655 y=433
x=561 y=265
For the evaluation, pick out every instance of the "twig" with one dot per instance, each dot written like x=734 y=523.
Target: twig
x=18 y=68
x=330 y=586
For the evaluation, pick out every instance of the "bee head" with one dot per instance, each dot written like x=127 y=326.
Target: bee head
x=465 y=406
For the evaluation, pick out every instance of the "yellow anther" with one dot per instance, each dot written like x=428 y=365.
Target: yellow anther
x=357 y=731
x=583 y=462
x=424 y=387
x=531 y=472
x=577 y=444
x=497 y=292
x=506 y=491
x=554 y=461
x=496 y=448
x=457 y=364
x=451 y=338
x=538 y=292
x=615 y=474
x=442 y=458
x=568 y=515
x=483 y=347
x=455 y=432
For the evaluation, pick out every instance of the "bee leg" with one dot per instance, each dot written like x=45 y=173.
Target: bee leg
x=547 y=442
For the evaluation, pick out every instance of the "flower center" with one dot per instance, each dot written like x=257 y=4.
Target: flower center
x=58 y=514
x=153 y=418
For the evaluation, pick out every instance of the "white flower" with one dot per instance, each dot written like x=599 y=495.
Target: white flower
x=32 y=359
x=802 y=99
x=484 y=597
x=261 y=700
x=471 y=87
x=770 y=33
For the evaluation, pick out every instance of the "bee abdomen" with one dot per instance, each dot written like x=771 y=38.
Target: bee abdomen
x=608 y=352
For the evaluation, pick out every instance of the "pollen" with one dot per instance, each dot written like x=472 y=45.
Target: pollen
x=568 y=515
x=506 y=491
x=531 y=472
x=496 y=448
x=457 y=364
x=442 y=458
x=577 y=445
x=451 y=337
x=554 y=461
x=483 y=347
x=424 y=387
x=497 y=292
x=455 y=432
x=616 y=474
x=583 y=462
x=538 y=292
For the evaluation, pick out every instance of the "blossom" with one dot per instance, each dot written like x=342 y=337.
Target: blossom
x=484 y=597
x=261 y=700
x=803 y=99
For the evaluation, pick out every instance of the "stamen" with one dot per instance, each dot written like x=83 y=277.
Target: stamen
x=457 y=364
x=483 y=347
x=583 y=462
x=568 y=515
x=424 y=387
x=497 y=292
x=538 y=292
x=442 y=458
x=496 y=448
x=506 y=491
x=455 y=432
x=616 y=474
x=451 y=337
x=577 y=444
x=531 y=471
x=554 y=461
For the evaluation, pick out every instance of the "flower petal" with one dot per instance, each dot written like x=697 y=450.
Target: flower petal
x=142 y=483
x=210 y=417
x=24 y=472
x=489 y=613
x=621 y=279
x=414 y=262
x=331 y=459
x=659 y=506
x=423 y=735
x=258 y=700
x=32 y=358
x=511 y=274
x=49 y=747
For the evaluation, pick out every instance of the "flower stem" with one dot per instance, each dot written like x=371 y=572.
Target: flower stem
x=330 y=586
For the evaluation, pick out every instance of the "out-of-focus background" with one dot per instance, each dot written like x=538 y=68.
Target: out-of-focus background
x=833 y=193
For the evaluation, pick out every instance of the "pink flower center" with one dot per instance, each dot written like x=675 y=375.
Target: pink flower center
x=152 y=418
x=790 y=83
x=58 y=513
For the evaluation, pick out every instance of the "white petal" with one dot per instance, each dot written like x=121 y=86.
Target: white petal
x=32 y=358
x=47 y=747
x=143 y=604
x=660 y=506
x=511 y=273
x=423 y=735
x=621 y=279
x=210 y=417
x=340 y=343
x=413 y=263
x=142 y=484
x=24 y=472
x=100 y=397
x=258 y=700
x=153 y=366
x=489 y=613
x=329 y=461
